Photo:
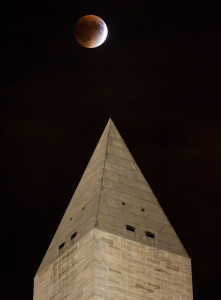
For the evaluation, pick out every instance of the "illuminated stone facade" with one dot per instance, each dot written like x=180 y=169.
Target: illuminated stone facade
x=114 y=241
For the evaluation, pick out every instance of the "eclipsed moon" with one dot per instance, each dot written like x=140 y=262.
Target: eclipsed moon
x=90 y=31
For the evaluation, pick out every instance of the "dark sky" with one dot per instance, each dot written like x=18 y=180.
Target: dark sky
x=158 y=76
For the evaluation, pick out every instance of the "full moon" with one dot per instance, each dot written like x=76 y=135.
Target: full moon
x=90 y=31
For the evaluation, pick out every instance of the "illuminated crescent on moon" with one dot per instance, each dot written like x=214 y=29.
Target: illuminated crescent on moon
x=90 y=31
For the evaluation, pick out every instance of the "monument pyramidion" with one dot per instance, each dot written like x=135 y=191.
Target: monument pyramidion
x=114 y=240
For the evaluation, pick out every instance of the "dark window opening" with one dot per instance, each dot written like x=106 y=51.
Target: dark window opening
x=73 y=235
x=61 y=246
x=123 y=203
x=130 y=228
x=143 y=209
x=150 y=234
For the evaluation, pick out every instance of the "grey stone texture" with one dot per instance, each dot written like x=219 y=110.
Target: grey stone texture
x=126 y=269
x=112 y=194
x=102 y=265
x=70 y=276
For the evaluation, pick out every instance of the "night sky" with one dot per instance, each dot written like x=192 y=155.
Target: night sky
x=158 y=76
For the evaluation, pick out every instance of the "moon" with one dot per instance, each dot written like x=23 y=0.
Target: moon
x=90 y=31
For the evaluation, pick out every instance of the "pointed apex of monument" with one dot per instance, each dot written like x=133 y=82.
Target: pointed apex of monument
x=110 y=122
x=114 y=196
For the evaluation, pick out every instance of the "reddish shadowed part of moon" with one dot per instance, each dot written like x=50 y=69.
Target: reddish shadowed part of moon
x=90 y=31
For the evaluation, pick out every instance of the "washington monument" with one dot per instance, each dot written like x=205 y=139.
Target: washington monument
x=114 y=241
